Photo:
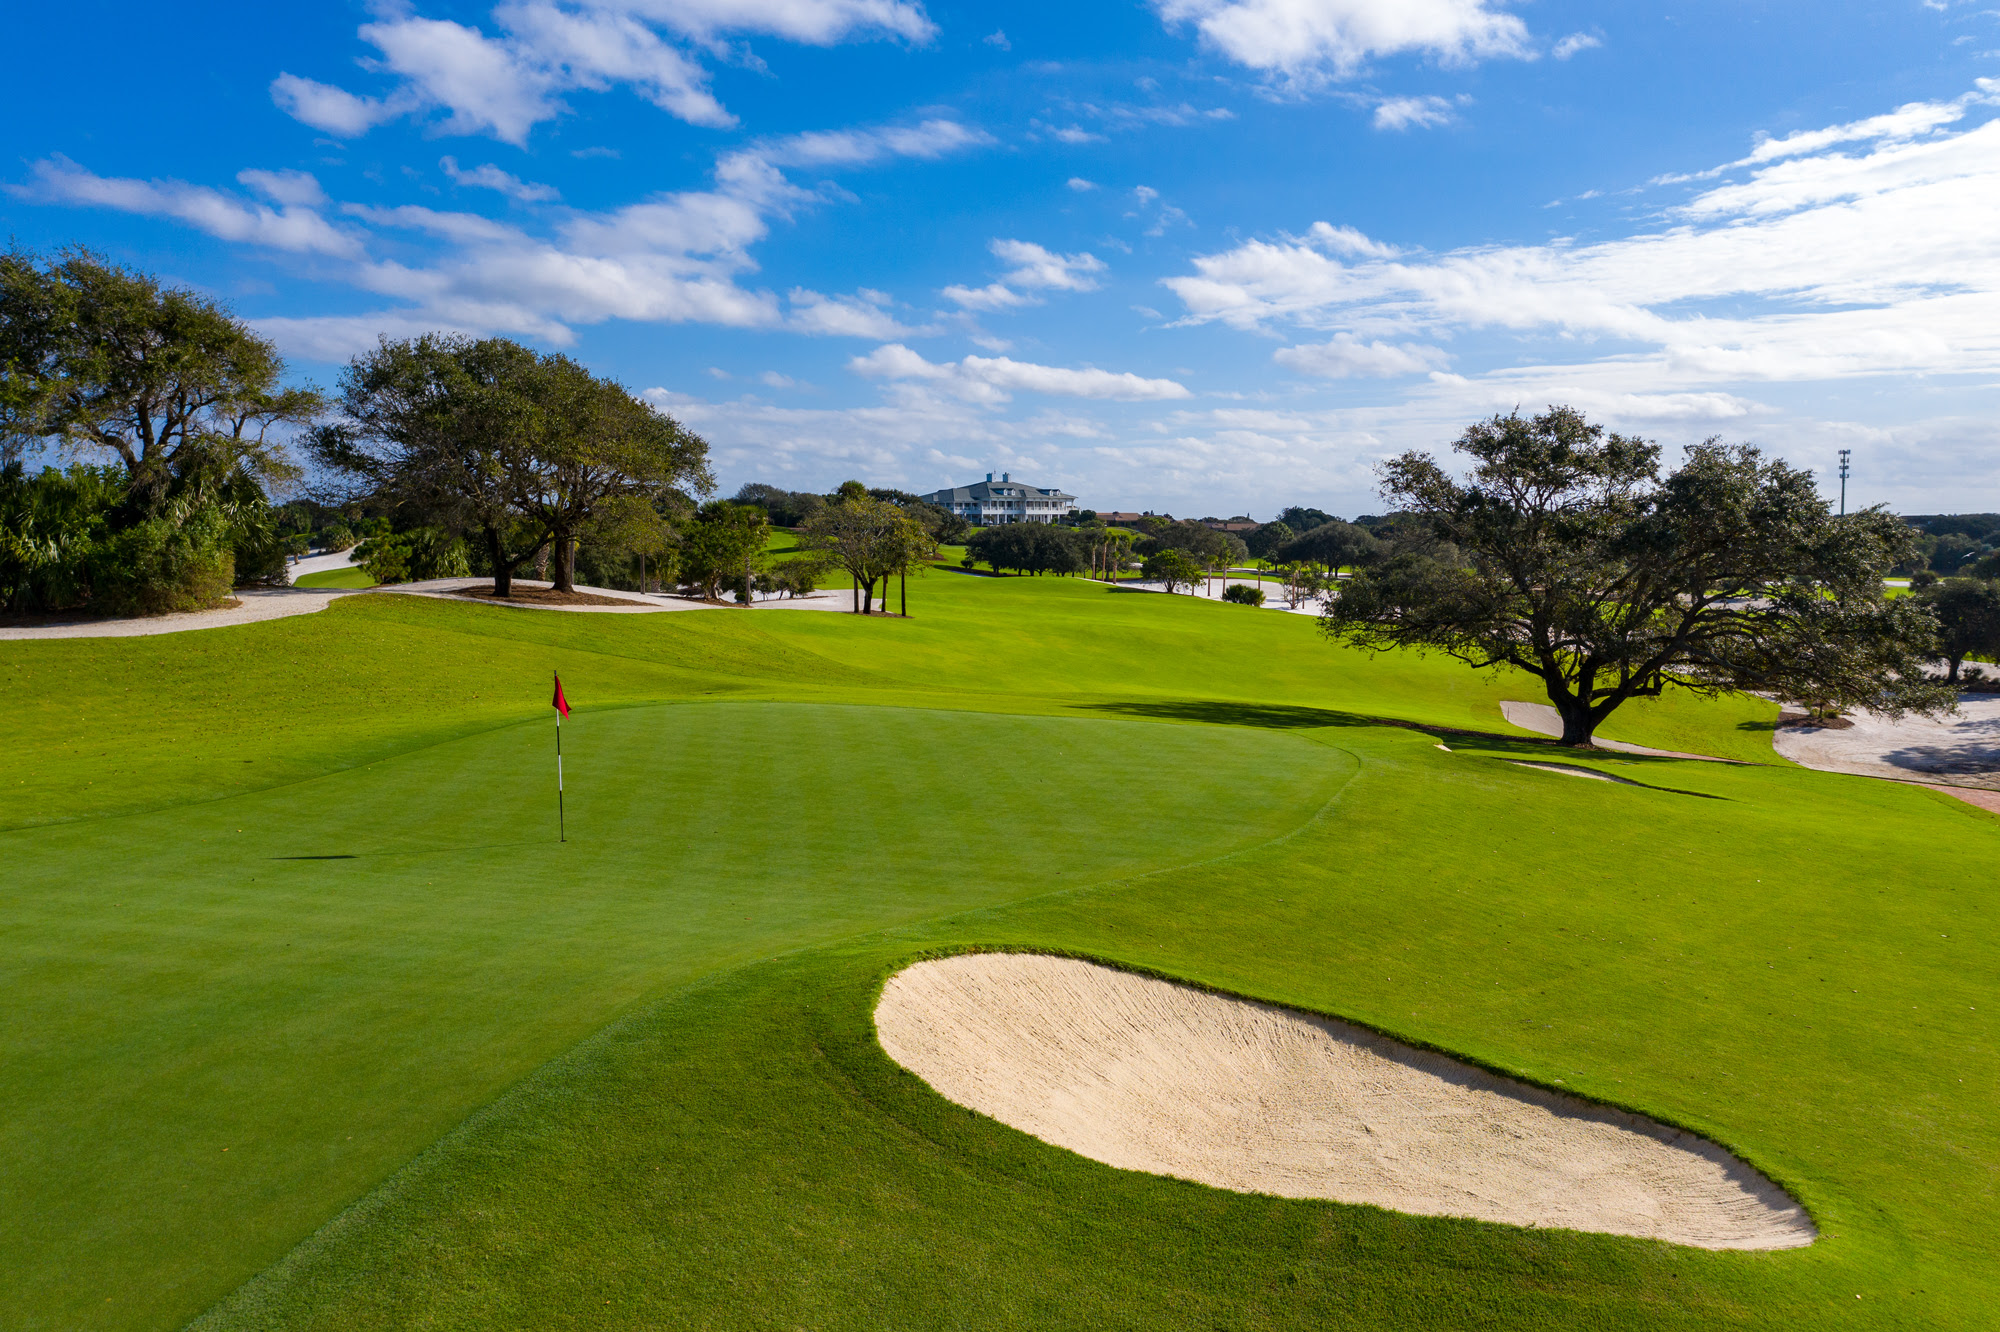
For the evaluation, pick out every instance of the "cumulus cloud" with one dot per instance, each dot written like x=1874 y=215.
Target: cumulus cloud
x=1079 y=184
x=1786 y=274
x=491 y=177
x=1308 y=41
x=1401 y=113
x=1035 y=269
x=995 y=379
x=334 y=110
x=505 y=84
x=862 y=315
x=1347 y=357
x=294 y=224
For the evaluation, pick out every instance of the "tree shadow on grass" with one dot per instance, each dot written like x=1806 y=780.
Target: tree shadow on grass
x=1267 y=716
x=1286 y=717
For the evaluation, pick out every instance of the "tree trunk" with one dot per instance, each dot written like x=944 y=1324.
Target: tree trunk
x=503 y=573
x=1954 y=662
x=565 y=563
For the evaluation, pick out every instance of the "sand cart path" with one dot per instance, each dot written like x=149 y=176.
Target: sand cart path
x=1962 y=750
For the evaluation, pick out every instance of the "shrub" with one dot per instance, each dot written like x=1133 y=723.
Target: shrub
x=160 y=566
x=414 y=556
x=1244 y=594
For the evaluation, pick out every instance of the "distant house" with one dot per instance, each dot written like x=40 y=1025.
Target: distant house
x=1240 y=523
x=989 y=502
x=1122 y=519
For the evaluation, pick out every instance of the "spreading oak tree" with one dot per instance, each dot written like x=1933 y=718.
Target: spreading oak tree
x=1569 y=555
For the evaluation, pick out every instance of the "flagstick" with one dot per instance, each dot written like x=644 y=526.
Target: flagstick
x=562 y=825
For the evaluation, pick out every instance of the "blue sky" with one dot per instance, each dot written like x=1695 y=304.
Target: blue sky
x=1206 y=256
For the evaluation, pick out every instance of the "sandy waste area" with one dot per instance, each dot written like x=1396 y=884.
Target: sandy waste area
x=1144 y=1074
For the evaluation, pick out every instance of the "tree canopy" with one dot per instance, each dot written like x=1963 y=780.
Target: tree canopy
x=1579 y=563
x=1968 y=615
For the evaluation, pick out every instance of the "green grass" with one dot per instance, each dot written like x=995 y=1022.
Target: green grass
x=348 y=577
x=480 y=1079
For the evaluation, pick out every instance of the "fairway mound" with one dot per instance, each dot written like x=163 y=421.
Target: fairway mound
x=1145 y=1074
x=1545 y=720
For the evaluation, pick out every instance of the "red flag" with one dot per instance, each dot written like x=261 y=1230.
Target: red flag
x=559 y=703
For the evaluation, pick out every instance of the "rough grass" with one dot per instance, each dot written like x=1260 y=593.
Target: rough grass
x=1799 y=966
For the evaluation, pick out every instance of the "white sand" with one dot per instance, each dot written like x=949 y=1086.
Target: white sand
x=253 y=604
x=1569 y=770
x=1143 y=1074
x=1959 y=750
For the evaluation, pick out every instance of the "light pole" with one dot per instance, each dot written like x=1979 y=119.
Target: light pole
x=1845 y=454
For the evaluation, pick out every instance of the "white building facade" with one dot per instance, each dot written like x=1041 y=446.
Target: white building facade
x=985 y=503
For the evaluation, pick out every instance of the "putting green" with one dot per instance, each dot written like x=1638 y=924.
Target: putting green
x=635 y=1073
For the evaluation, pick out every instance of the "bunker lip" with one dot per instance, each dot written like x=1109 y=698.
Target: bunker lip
x=1148 y=1074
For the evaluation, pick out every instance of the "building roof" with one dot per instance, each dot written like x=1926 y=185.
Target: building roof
x=985 y=490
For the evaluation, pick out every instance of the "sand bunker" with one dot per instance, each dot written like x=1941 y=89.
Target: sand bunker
x=1144 y=1074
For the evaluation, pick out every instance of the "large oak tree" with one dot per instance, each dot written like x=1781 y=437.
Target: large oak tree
x=1578 y=562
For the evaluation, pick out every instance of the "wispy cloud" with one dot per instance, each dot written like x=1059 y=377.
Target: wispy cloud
x=1035 y=270
x=994 y=379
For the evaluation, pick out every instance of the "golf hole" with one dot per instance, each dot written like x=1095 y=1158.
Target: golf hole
x=1144 y=1074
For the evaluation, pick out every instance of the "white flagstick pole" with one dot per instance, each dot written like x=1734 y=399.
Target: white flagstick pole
x=562 y=825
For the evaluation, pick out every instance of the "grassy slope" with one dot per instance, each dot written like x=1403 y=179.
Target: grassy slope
x=174 y=1009
x=349 y=577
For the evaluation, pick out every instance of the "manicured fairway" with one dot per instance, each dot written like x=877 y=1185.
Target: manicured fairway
x=1800 y=966
x=349 y=577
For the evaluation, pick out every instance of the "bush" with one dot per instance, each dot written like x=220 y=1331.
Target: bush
x=414 y=556
x=1243 y=594
x=160 y=566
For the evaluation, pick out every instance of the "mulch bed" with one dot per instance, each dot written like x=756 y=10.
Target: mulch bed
x=548 y=596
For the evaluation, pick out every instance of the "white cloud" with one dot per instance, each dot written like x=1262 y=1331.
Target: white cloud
x=928 y=141
x=1400 y=113
x=490 y=177
x=1347 y=357
x=1308 y=41
x=1076 y=134
x=1575 y=42
x=1035 y=269
x=293 y=225
x=1817 y=265
x=298 y=188
x=812 y=22
x=985 y=379
x=859 y=316
x=998 y=37
x=335 y=110
x=1079 y=184
x=507 y=84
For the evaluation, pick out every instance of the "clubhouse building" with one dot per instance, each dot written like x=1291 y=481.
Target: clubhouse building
x=985 y=503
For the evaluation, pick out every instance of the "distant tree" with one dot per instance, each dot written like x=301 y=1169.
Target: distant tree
x=1968 y=616
x=1030 y=548
x=871 y=539
x=785 y=508
x=445 y=427
x=722 y=546
x=1204 y=545
x=1301 y=519
x=1174 y=567
x=1586 y=568
x=1107 y=550
x=1266 y=539
x=1304 y=581
x=104 y=360
x=593 y=445
x=414 y=556
x=1335 y=544
x=1243 y=594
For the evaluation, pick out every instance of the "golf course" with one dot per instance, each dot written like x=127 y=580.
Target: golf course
x=314 y=1023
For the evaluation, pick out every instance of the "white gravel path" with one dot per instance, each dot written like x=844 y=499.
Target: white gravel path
x=1959 y=750
x=255 y=604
